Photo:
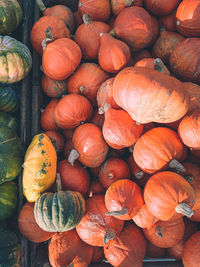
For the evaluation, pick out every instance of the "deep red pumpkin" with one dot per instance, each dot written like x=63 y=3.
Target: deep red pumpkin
x=168 y=22
x=161 y=8
x=154 y=251
x=53 y=88
x=98 y=254
x=143 y=53
x=67 y=148
x=57 y=140
x=95 y=189
x=97 y=119
x=193 y=90
x=118 y=5
x=47 y=118
x=191 y=251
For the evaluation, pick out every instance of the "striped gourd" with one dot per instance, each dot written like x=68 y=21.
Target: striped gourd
x=9 y=99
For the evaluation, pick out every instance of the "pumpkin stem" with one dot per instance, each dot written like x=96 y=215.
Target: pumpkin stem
x=158 y=231
x=174 y=164
x=130 y=149
x=184 y=209
x=112 y=33
x=178 y=23
x=121 y=212
x=41 y=5
x=49 y=38
x=58 y=182
x=159 y=65
x=111 y=174
x=128 y=3
x=41 y=68
x=73 y=156
x=139 y=175
x=82 y=89
x=110 y=234
x=189 y=178
x=104 y=108
x=86 y=19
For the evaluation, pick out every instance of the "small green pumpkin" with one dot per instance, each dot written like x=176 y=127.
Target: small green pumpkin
x=59 y=212
x=8 y=200
x=15 y=60
x=9 y=99
x=8 y=120
x=9 y=249
x=10 y=16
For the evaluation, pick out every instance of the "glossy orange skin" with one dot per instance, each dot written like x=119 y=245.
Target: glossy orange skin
x=149 y=103
x=172 y=233
x=193 y=90
x=188 y=18
x=154 y=251
x=161 y=8
x=61 y=58
x=136 y=35
x=184 y=60
x=92 y=148
x=189 y=130
x=144 y=219
x=118 y=5
x=88 y=38
x=74 y=178
x=165 y=44
x=53 y=88
x=120 y=130
x=47 y=118
x=94 y=224
x=128 y=249
x=28 y=226
x=96 y=9
x=124 y=194
x=72 y=110
x=168 y=22
x=149 y=63
x=164 y=191
x=98 y=254
x=97 y=119
x=117 y=51
x=63 y=251
x=156 y=148
x=191 y=251
x=113 y=169
x=89 y=75
x=57 y=140
x=58 y=30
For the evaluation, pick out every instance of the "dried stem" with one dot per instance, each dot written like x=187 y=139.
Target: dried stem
x=158 y=231
x=184 y=209
x=73 y=156
x=49 y=38
x=175 y=164
x=121 y=212
x=41 y=5
x=139 y=175
x=159 y=65
x=86 y=19
x=110 y=234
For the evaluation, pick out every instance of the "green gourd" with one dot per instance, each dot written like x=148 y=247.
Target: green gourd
x=9 y=99
x=8 y=120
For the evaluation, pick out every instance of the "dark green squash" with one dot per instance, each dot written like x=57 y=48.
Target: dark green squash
x=15 y=60
x=8 y=120
x=9 y=99
x=43 y=4
x=10 y=16
x=8 y=200
x=9 y=249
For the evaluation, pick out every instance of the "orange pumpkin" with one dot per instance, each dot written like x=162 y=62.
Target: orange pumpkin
x=95 y=189
x=191 y=251
x=161 y=8
x=168 y=22
x=154 y=251
x=119 y=5
x=53 y=88
x=47 y=118
x=155 y=64
x=143 y=53
x=97 y=119
x=144 y=218
x=193 y=90
x=98 y=254
x=57 y=139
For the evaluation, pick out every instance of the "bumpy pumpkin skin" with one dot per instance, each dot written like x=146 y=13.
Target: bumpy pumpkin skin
x=39 y=167
x=15 y=60
x=10 y=16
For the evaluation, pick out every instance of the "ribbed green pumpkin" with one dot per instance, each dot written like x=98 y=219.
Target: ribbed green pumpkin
x=15 y=60
x=8 y=200
x=11 y=154
x=9 y=99
x=8 y=120
x=59 y=212
x=9 y=249
x=10 y=16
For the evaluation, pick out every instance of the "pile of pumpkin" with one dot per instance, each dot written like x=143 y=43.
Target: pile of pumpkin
x=121 y=133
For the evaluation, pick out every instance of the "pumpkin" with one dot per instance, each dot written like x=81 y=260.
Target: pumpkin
x=9 y=99
x=67 y=148
x=168 y=22
x=8 y=120
x=74 y=178
x=105 y=98
x=144 y=218
x=72 y=110
x=123 y=199
x=165 y=234
x=167 y=193
x=89 y=147
x=98 y=254
x=10 y=16
x=95 y=188
x=87 y=36
x=161 y=8
x=127 y=249
x=155 y=64
x=15 y=60
x=11 y=153
x=188 y=18
x=96 y=228
x=155 y=30
x=57 y=139
x=118 y=52
x=86 y=81
x=9 y=248
x=97 y=119
x=60 y=58
x=118 y=5
x=38 y=32
x=68 y=133
x=193 y=90
x=143 y=53
x=63 y=13
x=119 y=129
x=113 y=169
x=97 y=9
x=59 y=212
x=63 y=251
x=77 y=18
x=154 y=251
x=137 y=35
x=165 y=44
x=191 y=251
x=43 y=4
x=28 y=226
x=47 y=118
x=157 y=149
x=196 y=216
x=53 y=88
x=189 y=130
x=8 y=200
x=39 y=167
x=184 y=60
x=149 y=96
